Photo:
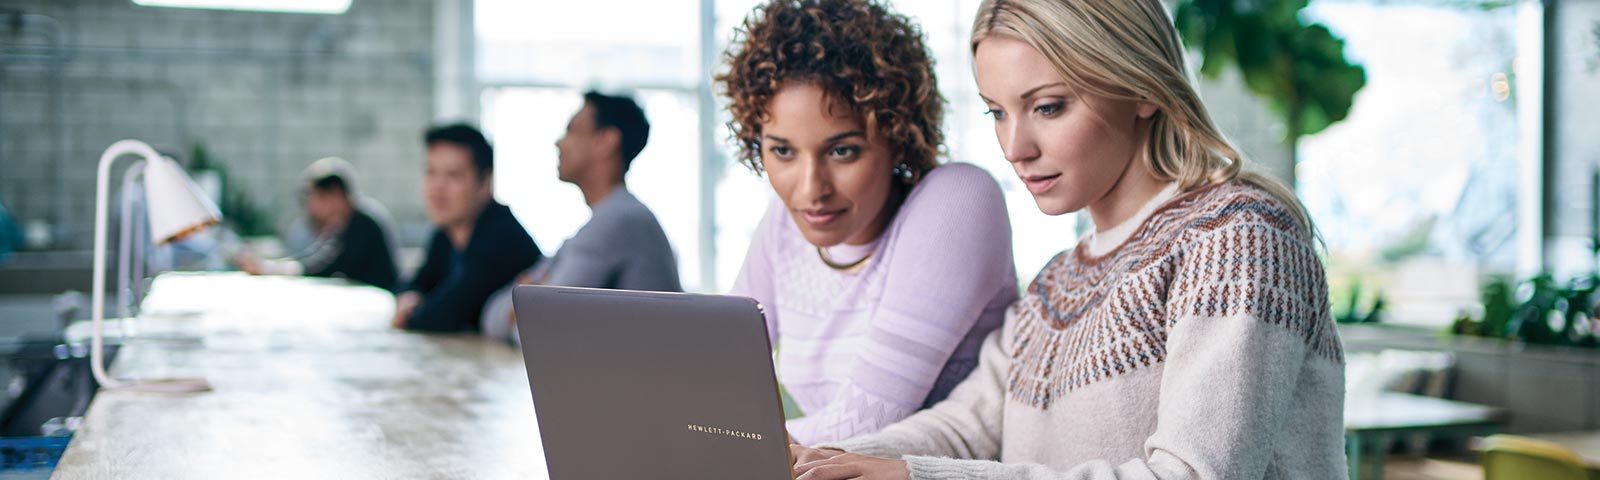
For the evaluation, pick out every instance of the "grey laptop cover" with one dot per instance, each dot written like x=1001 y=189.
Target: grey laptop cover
x=643 y=385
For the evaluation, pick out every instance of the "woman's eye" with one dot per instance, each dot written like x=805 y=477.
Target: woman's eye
x=1050 y=109
x=994 y=113
x=844 y=151
x=780 y=151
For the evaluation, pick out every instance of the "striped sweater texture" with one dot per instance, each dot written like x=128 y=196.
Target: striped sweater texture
x=1200 y=347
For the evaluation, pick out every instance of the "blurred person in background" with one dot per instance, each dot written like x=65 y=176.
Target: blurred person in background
x=348 y=242
x=622 y=246
x=477 y=246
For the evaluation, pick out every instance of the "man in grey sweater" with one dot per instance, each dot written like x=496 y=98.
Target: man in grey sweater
x=622 y=246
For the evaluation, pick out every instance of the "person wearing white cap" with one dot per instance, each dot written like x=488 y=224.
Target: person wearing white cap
x=349 y=243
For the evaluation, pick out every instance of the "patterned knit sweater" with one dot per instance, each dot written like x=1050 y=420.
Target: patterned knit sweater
x=1201 y=347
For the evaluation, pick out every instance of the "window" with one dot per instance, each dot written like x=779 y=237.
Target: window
x=534 y=62
x=1420 y=191
x=536 y=58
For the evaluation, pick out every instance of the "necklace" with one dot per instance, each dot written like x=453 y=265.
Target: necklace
x=843 y=267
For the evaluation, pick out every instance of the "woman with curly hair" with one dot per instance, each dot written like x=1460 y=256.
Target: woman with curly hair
x=880 y=270
x=1187 y=337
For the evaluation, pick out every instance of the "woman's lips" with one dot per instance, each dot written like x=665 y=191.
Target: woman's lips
x=1039 y=183
x=821 y=218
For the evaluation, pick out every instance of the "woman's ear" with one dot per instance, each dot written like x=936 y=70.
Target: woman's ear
x=1146 y=110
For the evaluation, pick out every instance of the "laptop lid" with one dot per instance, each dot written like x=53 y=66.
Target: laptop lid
x=651 y=385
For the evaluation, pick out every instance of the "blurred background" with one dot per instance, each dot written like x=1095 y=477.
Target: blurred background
x=1448 y=150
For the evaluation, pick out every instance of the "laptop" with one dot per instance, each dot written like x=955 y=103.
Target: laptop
x=651 y=385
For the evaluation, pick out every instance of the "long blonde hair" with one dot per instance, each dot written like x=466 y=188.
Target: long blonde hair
x=1129 y=50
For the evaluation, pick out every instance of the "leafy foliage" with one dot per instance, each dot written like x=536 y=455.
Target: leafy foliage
x=237 y=207
x=1541 y=312
x=1299 y=67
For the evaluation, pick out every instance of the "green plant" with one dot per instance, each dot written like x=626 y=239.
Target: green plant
x=1497 y=308
x=1578 y=324
x=1298 y=66
x=1531 y=322
x=236 y=206
x=1352 y=311
x=1542 y=303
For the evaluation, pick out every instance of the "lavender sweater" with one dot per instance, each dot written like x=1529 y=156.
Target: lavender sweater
x=861 y=350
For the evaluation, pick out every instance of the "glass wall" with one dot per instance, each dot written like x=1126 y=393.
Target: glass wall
x=654 y=52
x=1392 y=200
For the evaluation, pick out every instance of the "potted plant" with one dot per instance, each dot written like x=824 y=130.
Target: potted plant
x=1543 y=312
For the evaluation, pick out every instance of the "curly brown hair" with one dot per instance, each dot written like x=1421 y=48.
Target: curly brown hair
x=858 y=52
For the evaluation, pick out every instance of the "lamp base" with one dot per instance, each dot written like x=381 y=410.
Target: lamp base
x=162 y=385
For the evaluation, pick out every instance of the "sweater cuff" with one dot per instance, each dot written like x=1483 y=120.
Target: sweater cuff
x=938 y=468
x=864 y=445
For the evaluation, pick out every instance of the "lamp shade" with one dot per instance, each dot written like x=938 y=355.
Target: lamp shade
x=177 y=206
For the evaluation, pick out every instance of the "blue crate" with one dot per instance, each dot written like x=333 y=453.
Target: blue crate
x=28 y=454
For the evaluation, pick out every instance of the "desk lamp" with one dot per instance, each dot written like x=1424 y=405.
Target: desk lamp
x=176 y=209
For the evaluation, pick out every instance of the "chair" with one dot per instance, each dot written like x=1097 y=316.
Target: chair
x=1509 y=457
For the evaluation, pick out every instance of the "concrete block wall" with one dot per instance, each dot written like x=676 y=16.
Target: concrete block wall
x=265 y=93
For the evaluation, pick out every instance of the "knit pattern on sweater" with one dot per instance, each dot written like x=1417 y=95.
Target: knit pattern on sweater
x=1222 y=250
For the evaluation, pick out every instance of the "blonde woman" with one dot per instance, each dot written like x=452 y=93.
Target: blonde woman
x=1188 y=336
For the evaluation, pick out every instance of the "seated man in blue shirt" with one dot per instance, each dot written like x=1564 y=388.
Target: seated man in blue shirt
x=478 y=245
x=622 y=246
